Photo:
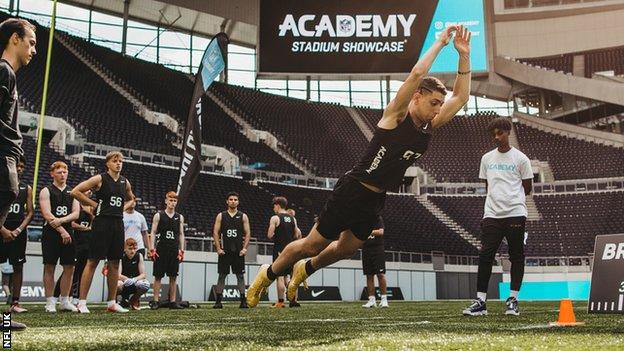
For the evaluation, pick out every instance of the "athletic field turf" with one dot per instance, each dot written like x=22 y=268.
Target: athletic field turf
x=320 y=326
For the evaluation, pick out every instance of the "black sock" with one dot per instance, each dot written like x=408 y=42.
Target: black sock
x=219 y=297
x=309 y=269
x=270 y=274
x=280 y=300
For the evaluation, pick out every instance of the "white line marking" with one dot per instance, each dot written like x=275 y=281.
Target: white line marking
x=621 y=302
x=591 y=308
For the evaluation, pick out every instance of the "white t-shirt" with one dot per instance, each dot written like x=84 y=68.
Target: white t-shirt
x=504 y=173
x=134 y=224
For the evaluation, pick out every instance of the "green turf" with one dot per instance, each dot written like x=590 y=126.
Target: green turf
x=405 y=325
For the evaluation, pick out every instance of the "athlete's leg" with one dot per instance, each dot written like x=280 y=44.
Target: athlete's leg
x=309 y=246
x=346 y=246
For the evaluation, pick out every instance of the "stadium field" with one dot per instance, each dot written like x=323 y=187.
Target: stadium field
x=320 y=326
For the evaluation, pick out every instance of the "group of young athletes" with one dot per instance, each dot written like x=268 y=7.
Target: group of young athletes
x=85 y=225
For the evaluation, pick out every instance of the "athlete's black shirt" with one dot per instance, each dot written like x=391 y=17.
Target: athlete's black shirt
x=390 y=153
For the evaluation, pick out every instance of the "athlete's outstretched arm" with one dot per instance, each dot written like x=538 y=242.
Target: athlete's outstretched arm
x=461 y=88
x=397 y=108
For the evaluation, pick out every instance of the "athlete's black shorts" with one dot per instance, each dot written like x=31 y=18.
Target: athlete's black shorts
x=276 y=254
x=350 y=206
x=373 y=260
x=107 y=238
x=54 y=251
x=231 y=259
x=15 y=250
x=166 y=263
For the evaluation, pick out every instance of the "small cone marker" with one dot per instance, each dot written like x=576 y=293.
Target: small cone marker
x=566 y=315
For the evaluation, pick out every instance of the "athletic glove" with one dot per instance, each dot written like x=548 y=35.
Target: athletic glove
x=180 y=255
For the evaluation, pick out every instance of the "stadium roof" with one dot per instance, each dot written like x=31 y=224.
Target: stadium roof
x=203 y=17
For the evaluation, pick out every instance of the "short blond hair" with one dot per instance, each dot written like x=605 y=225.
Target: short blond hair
x=113 y=155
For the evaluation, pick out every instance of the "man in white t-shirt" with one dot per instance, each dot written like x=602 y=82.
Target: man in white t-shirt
x=508 y=179
x=135 y=227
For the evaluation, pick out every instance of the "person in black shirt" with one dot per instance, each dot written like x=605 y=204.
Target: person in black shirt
x=231 y=234
x=402 y=136
x=113 y=194
x=17 y=44
x=374 y=264
x=282 y=230
x=168 y=249
x=132 y=276
x=20 y=214
x=59 y=210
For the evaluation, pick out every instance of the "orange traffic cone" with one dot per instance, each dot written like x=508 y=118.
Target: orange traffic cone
x=566 y=315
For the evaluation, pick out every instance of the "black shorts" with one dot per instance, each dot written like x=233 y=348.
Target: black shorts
x=276 y=254
x=107 y=238
x=166 y=263
x=231 y=259
x=83 y=242
x=14 y=251
x=350 y=206
x=374 y=261
x=54 y=251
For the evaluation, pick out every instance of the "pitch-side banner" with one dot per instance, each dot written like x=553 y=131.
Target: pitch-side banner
x=362 y=37
x=212 y=64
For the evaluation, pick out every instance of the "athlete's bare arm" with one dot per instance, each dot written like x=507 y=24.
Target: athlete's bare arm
x=273 y=223
x=78 y=193
x=396 y=110
x=461 y=88
x=215 y=235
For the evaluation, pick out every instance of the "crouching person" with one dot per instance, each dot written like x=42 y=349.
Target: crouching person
x=132 y=283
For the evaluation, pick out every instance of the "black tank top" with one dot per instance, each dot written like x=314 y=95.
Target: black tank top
x=232 y=231
x=168 y=231
x=82 y=237
x=60 y=204
x=390 y=153
x=17 y=211
x=111 y=197
x=285 y=232
x=130 y=266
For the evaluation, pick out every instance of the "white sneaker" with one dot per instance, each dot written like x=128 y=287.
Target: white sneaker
x=50 y=308
x=384 y=304
x=74 y=301
x=67 y=306
x=370 y=304
x=83 y=309
x=116 y=309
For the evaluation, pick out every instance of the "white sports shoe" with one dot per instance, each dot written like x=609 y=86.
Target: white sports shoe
x=384 y=304
x=116 y=308
x=74 y=301
x=50 y=308
x=67 y=306
x=83 y=309
x=370 y=304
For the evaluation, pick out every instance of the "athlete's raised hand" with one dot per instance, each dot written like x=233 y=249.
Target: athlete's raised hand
x=462 y=40
x=445 y=36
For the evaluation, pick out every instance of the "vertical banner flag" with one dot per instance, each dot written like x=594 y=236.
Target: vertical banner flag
x=212 y=64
